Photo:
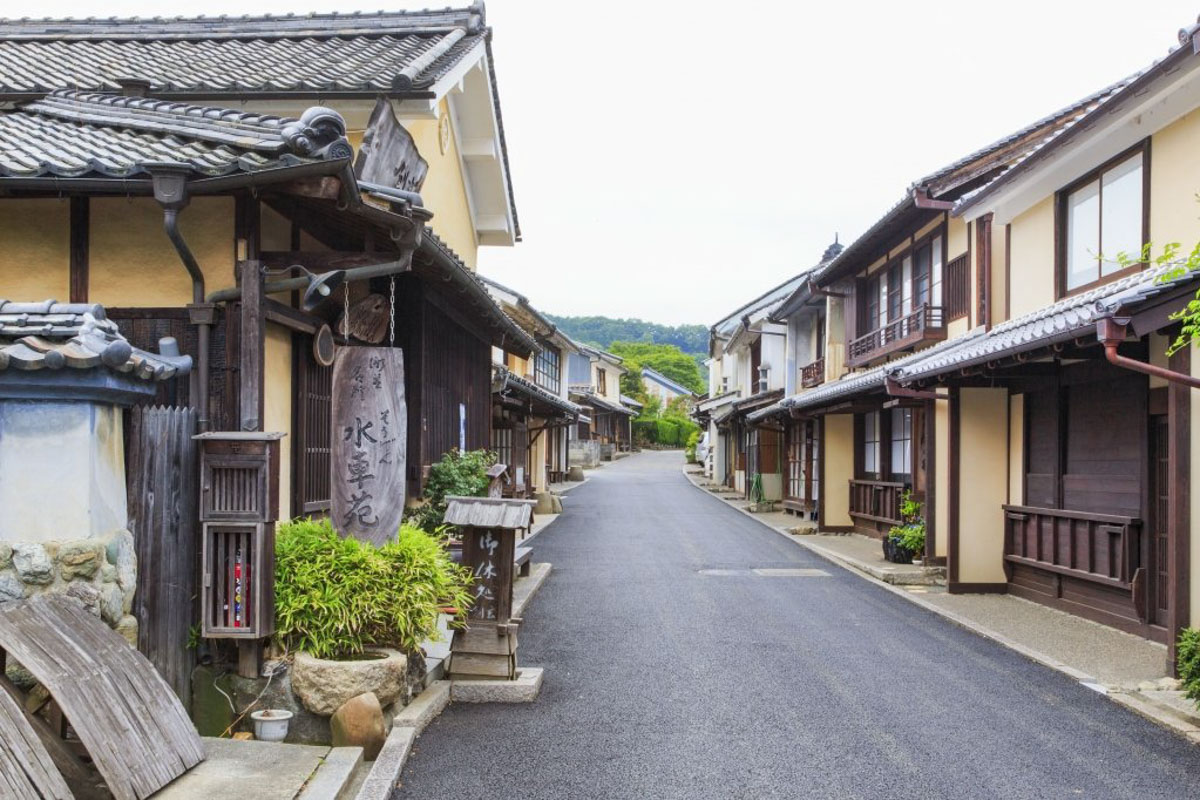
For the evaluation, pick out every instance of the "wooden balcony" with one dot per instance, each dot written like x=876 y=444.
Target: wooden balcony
x=925 y=324
x=1098 y=548
x=813 y=375
x=878 y=501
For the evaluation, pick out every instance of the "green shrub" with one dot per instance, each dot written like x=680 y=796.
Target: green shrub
x=335 y=596
x=693 y=441
x=910 y=535
x=458 y=473
x=1187 y=658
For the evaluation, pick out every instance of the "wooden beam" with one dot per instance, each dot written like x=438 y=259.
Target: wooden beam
x=80 y=238
x=324 y=260
x=291 y=318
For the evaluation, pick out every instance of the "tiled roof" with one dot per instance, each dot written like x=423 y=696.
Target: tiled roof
x=355 y=53
x=53 y=336
x=1060 y=322
x=504 y=379
x=73 y=134
x=663 y=380
x=602 y=404
x=489 y=512
x=730 y=323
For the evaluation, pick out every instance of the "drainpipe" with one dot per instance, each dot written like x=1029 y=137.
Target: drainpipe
x=1111 y=332
x=170 y=190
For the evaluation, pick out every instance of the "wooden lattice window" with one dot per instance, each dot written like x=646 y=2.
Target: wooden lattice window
x=958 y=288
x=312 y=442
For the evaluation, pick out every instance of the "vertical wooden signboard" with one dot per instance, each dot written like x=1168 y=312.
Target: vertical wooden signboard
x=370 y=434
x=489 y=554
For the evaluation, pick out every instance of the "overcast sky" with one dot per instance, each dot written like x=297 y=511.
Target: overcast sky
x=672 y=160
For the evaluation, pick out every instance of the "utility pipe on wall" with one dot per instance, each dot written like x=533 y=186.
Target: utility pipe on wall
x=170 y=190
x=1111 y=332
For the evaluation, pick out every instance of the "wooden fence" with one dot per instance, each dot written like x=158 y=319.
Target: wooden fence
x=162 y=469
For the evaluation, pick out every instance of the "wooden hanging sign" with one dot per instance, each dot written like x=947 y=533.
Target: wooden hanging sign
x=370 y=437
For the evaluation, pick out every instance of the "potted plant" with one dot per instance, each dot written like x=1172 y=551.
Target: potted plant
x=351 y=612
x=271 y=725
x=906 y=542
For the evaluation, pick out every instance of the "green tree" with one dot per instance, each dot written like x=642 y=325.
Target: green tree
x=664 y=358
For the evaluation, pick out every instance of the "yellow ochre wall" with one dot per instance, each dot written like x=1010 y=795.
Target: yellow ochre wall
x=132 y=262
x=999 y=287
x=35 y=250
x=1174 y=181
x=277 y=406
x=1032 y=259
x=444 y=192
x=838 y=448
x=983 y=480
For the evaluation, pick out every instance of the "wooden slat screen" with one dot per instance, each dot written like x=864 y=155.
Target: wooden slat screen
x=957 y=299
x=312 y=445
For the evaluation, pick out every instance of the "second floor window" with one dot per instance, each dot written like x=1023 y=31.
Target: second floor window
x=547 y=370
x=601 y=383
x=1103 y=216
x=904 y=285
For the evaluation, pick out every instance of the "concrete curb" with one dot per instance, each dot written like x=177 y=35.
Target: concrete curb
x=537 y=576
x=385 y=771
x=384 y=776
x=334 y=775
x=1135 y=704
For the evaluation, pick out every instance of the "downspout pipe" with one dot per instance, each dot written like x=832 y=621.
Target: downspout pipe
x=171 y=192
x=1111 y=333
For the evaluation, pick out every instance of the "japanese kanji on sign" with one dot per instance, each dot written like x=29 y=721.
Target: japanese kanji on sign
x=369 y=442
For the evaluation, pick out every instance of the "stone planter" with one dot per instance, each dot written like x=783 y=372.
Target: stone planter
x=323 y=685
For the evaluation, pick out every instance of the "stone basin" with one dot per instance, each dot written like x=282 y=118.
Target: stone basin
x=323 y=685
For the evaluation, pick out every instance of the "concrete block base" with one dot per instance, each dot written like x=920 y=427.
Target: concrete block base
x=334 y=775
x=524 y=689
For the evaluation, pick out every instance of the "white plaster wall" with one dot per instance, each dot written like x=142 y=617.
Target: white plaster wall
x=64 y=470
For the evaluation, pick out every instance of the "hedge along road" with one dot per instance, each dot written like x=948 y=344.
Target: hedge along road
x=665 y=681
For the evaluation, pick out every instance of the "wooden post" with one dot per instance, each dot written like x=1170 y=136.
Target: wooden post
x=250 y=360
x=1179 y=523
x=252 y=365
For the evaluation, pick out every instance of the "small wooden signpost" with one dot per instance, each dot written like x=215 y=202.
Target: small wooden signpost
x=370 y=437
x=487 y=647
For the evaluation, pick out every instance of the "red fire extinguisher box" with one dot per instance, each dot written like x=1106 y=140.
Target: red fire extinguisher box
x=239 y=498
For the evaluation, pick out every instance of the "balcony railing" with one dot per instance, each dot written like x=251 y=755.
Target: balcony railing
x=813 y=375
x=1100 y=548
x=878 y=501
x=926 y=323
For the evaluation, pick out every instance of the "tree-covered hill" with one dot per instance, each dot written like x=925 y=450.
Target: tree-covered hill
x=603 y=331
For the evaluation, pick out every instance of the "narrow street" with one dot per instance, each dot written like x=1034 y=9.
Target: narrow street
x=663 y=681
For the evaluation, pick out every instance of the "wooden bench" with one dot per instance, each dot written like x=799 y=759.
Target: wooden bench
x=521 y=560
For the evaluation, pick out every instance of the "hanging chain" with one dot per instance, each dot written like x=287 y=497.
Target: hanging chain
x=346 y=311
x=392 y=312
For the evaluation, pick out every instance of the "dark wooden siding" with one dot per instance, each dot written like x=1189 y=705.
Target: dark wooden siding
x=143 y=327
x=311 y=431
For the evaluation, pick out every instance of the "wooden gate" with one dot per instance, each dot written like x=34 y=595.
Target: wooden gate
x=161 y=462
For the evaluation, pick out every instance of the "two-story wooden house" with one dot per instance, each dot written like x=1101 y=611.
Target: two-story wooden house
x=1070 y=427
x=747 y=368
x=594 y=378
x=532 y=416
x=413 y=97
x=265 y=190
x=988 y=349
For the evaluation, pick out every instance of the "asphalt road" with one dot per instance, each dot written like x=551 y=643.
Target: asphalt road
x=665 y=682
